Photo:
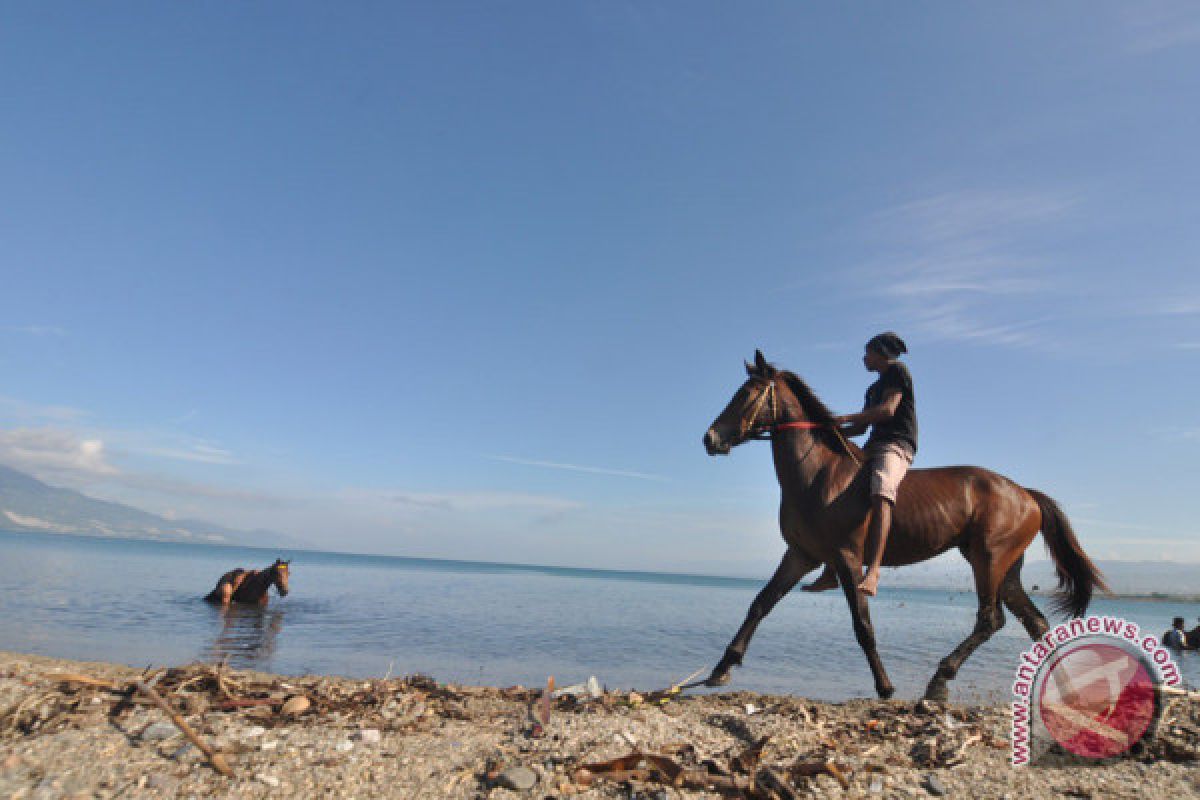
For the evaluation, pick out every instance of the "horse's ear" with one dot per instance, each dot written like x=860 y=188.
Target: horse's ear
x=749 y=368
x=760 y=363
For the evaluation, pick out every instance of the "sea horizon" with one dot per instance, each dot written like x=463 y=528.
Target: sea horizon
x=656 y=575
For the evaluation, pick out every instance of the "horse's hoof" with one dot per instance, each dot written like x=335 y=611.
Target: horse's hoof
x=885 y=692
x=925 y=708
x=937 y=693
x=718 y=678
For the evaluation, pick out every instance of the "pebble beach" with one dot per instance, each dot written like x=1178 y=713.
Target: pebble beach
x=71 y=729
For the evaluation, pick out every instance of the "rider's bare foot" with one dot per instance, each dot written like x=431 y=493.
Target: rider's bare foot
x=869 y=585
x=827 y=581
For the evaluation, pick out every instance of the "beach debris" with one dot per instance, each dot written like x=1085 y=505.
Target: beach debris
x=884 y=741
x=540 y=711
x=214 y=758
x=269 y=780
x=809 y=768
x=235 y=703
x=82 y=680
x=520 y=779
x=743 y=775
x=934 y=785
x=590 y=689
x=746 y=762
x=296 y=704
x=663 y=696
x=544 y=706
x=776 y=786
x=751 y=709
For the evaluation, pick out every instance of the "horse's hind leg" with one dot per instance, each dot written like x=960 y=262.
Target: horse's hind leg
x=792 y=568
x=849 y=568
x=988 y=620
x=1018 y=602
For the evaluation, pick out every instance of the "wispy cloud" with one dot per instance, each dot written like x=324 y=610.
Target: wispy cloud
x=21 y=411
x=1152 y=27
x=1179 y=306
x=199 y=453
x=1176 y=434
x=54 y=451
x=621 y=473
x=38 y=330
x=85 y=461
x=460 y=501
x=974 y=215
x=960 y=322
x=951 y=264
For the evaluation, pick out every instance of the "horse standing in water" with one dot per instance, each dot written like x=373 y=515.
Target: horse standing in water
x=824 y=511
x=250 y=586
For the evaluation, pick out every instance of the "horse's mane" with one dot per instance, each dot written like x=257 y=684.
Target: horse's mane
x=816 y=411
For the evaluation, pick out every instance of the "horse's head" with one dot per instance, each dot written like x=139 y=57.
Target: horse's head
x=279 y=576
x=754 y=407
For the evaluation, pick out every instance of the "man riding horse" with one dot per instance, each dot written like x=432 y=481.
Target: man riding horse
x=825 y=517
x=889 y=408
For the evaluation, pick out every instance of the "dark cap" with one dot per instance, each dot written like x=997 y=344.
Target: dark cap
x=887 y=344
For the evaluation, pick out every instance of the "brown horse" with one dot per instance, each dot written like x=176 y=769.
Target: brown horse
x=250 y=586
x=824 y=512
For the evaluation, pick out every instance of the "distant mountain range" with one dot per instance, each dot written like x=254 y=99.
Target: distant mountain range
x=29 y=506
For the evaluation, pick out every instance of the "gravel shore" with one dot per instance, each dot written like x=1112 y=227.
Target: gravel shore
x=75 y=729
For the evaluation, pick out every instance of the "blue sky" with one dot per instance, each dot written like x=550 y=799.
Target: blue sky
x=471 y=280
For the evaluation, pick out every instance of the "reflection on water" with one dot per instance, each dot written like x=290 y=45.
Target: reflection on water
x=247 y=636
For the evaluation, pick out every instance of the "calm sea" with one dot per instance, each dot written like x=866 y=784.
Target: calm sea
x=139 y=603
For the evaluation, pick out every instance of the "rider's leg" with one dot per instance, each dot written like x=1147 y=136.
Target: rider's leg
x=827 y=581
x=881 y=523
x=888 y=465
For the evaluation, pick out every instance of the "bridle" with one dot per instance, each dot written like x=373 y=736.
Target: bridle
x=767 y=395
x=763 y=433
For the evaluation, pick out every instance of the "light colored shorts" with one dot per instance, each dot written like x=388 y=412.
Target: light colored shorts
x=888 y=464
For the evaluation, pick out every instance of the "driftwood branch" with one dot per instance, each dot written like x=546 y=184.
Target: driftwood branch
x=216 y=759
x=82 y=680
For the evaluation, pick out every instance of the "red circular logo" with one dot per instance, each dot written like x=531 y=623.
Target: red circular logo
x=1097 y=700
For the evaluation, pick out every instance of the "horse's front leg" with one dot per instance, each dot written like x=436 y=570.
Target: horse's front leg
x=849 y=569
x=792 y=568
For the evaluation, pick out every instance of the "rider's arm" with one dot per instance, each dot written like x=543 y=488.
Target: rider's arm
x=856 y=424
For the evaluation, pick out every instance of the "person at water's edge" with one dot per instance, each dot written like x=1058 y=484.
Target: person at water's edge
x=1177 y=637
x=889 y=408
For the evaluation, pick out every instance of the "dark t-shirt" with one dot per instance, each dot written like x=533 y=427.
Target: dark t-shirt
x=902 y=427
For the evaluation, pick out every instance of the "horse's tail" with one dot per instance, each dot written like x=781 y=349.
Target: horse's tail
x=1077 y=575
